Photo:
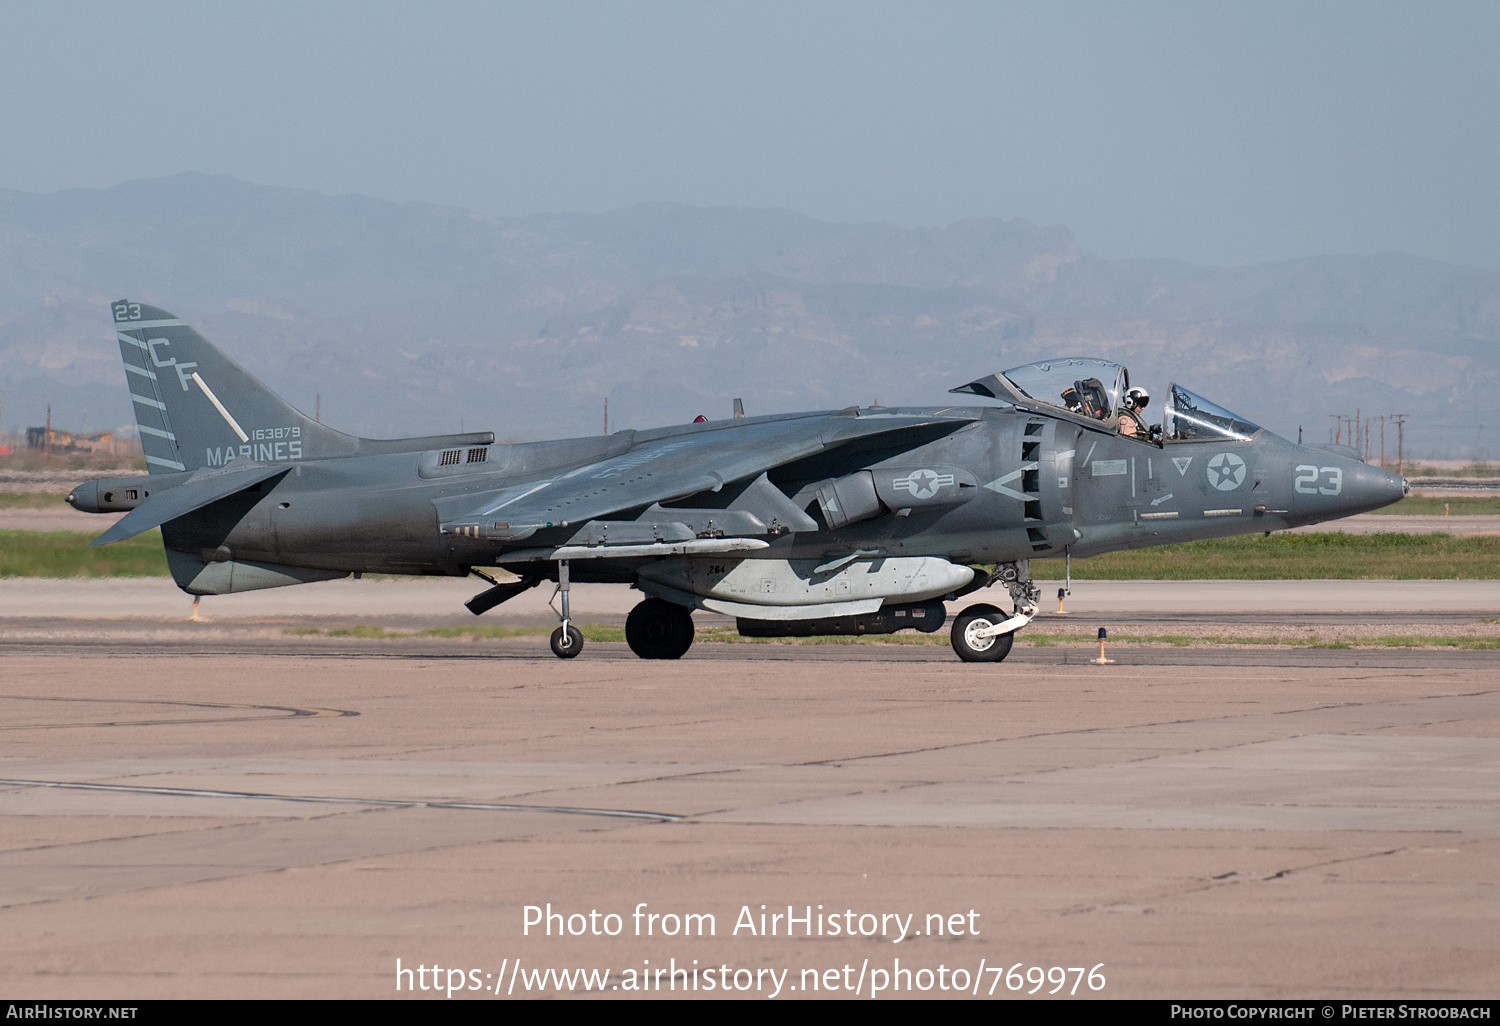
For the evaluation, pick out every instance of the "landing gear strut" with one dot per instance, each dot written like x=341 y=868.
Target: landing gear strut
x=567 y=642
x=984 y=634
x=657 y=629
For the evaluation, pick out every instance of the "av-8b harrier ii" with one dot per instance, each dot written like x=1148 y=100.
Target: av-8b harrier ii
x=853 y=521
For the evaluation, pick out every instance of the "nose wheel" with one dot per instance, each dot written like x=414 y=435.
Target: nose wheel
x=984 y=634
x=972 y=639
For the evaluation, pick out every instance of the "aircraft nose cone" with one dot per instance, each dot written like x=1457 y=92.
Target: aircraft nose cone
x=1367 y=488
x=1337 y=487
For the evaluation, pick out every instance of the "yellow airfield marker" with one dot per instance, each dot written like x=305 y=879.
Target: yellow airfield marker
x=1101 y=661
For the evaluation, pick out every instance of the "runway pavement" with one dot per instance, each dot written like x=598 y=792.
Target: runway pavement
x=291 y=826
x=257 y=806
x=159 y=598
x=1305 y=622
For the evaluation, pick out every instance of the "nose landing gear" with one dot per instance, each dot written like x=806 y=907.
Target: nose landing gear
x=984 y=634
x=972 y=639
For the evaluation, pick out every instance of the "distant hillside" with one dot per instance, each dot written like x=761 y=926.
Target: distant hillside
x=411 y=318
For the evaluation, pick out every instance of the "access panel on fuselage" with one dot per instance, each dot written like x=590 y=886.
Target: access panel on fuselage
x=1132 y=494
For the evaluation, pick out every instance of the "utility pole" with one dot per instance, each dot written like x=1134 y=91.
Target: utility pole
x=1382 y=441
x=606 y=415
x=318 y=408
x=1400 y=419
x=49 y=432
x=1338 y=419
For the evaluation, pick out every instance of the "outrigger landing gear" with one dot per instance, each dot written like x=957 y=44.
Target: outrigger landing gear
x=658 y=629
x=984 y=634
x=567 y=642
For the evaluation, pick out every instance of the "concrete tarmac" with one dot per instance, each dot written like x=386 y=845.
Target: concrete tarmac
x=243 y=825
x=159 y=598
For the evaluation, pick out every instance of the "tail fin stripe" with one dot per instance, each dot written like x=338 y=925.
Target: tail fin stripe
x=152 y=416
x=191 y=424
x=138 y=325
x=234 y=424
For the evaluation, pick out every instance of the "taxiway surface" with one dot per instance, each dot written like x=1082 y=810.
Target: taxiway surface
x=226 y=823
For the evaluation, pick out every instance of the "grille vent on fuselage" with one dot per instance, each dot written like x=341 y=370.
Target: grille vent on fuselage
x=1031 y=484
x=450 y=458
x=478 y=455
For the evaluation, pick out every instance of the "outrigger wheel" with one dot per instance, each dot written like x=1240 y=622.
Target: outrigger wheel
x=657 y=629
x=970 y=643
x=567 y=642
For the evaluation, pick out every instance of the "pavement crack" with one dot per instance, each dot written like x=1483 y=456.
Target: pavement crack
x=1082 y=731
x=1282 y=874
x=399 y=803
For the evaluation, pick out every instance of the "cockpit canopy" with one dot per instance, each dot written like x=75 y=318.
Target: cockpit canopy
x=1092 y=388
x=1192 y=416
x=1078 y=383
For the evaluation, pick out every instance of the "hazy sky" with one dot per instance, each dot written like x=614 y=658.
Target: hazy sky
x=1217 y=133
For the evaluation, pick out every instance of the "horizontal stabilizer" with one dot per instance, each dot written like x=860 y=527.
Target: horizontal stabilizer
x=204 y=487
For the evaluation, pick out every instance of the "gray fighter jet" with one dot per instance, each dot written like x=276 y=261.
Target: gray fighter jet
x=853 y=521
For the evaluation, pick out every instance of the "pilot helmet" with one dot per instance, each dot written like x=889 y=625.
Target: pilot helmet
x=1137 y=398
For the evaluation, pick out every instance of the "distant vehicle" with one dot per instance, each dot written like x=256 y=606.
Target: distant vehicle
x=854 y=521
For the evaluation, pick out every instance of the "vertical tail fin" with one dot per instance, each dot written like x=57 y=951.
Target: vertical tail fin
x=198 y=408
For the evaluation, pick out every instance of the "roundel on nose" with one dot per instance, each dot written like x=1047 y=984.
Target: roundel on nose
x=1226 y=471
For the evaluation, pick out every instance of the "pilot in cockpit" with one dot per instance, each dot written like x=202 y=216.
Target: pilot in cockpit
x=1130 y=421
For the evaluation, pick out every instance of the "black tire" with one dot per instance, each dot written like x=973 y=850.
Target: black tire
x=657 y=629
x=569 y=646
x=980 y=650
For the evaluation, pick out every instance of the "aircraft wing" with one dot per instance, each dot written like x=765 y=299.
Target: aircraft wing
x=673 y=467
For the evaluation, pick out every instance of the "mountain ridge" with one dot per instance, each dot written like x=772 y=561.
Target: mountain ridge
x=412 y=317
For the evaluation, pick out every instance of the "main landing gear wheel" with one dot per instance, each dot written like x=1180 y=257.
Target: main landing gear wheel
x=657 y=629
x=567 y=642
x=970 y=646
